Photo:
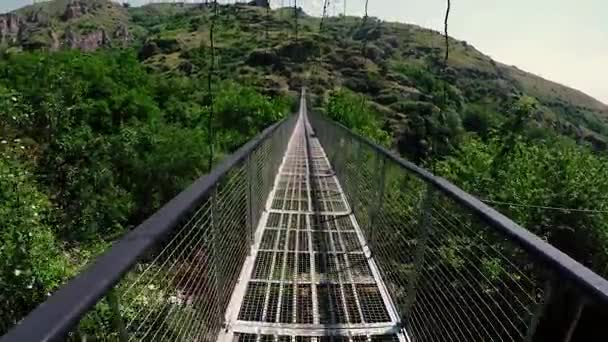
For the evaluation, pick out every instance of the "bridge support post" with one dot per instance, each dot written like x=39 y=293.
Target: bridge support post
x=117 y=321
x=380 y=178
x=424 y=231
x=216 y=261
x=250 y=219
x=540 y=310
x=353 y=187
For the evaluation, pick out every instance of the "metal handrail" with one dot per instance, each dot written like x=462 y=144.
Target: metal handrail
x=579 y=274
x=54 y=318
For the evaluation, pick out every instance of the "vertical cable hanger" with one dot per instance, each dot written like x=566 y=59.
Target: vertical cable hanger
x=295 y=15
x=325 y=4
x=435 y=136
x=211 y=70
x=364 y=26
x=317 y=65
x=447 y=51
x=266 y=27
x=321 y=27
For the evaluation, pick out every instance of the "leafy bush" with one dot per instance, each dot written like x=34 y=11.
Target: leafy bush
x=241 y=112
x=480 y=119
x=555 y=174
x=106 y=144
x=31 y=263
x=353 y=111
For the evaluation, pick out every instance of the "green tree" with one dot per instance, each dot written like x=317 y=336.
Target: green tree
x=31 y=262
x=353 y=111
x=534 y=176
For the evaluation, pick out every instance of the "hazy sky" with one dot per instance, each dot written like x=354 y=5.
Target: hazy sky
x=562 y=40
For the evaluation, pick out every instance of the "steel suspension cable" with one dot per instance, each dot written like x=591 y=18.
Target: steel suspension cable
x=295 y=15
x=211 y=70
x=325 y=4
x=363 y=26
x=321 y=28
x=267 y=23
x=444 y=101
x=447 y=50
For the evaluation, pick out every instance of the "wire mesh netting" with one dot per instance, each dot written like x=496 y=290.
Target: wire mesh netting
x=319 y=235
x=451 y=275
x=311 y=273
x=181 y=288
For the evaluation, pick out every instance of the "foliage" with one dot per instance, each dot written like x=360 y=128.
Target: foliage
x=107 y=138
x=241 y=111
x=480 y=119
x=102 y=143
x=554 y=174
x=353 y=111
x=31 y=262
x=444 y=94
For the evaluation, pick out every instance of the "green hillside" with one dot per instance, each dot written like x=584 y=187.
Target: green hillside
x=398 y=69
x=106 y=114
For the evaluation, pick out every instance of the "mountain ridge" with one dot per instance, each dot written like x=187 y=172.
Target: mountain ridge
x=388 y=69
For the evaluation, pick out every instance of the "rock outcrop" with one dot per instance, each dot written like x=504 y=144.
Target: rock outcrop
x=264 y=57
x=122 y=33
x=39 y=17
x=148 y=50
x=75 y=9
x=10 y=26
x=37 y=29
x=86 y=42
x=55 y=41
x=259 y=3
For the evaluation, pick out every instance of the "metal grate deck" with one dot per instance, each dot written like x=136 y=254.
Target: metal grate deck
x=310 y=276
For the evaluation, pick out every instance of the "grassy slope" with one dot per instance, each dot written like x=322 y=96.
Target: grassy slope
x=103 y=15
x=243 y=54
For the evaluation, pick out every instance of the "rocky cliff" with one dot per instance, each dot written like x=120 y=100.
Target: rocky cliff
x=10 y=25
x=79 y=24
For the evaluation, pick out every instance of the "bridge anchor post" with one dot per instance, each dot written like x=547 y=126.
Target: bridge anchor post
x=250 y=219
x=117 y=320
x=377 y=204
x=423 y=237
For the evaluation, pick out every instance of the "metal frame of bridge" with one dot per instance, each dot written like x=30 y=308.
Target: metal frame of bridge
x=292 y=261
x=310 y=274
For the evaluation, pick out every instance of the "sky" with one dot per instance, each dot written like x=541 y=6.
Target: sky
x=562 y=40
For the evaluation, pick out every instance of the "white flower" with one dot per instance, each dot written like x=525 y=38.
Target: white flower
x=152 y=287
x=4 y=141
x=30 y=286
x=22 y=147
x=17 y=140
x=17 y=272
x=14 y=99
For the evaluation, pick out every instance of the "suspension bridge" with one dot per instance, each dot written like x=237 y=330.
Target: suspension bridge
x=310 y=232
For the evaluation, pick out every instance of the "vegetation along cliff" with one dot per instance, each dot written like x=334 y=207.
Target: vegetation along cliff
x=104 y=110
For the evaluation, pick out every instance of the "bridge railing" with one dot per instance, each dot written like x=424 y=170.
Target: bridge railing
x=457 y=270
x=170 y=278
